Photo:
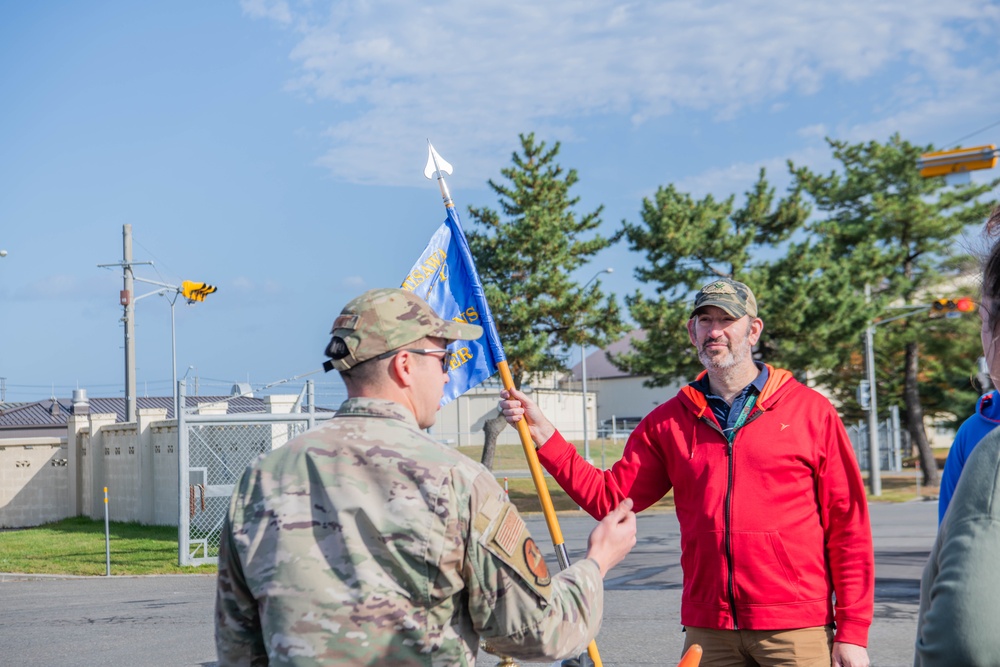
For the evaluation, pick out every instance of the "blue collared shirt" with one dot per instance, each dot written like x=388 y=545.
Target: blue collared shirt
x=728 y=414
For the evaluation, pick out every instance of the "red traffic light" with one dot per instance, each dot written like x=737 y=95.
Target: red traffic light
x=952 y=307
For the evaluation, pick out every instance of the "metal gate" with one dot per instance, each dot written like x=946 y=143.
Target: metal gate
x=889 y=447
x=213 y=451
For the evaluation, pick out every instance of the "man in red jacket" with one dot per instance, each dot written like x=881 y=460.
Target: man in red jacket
x=776 y=543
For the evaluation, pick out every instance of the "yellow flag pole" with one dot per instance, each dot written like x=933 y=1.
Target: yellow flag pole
x=437 y=166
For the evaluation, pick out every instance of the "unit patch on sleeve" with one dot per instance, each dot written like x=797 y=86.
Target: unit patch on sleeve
x=536 y=562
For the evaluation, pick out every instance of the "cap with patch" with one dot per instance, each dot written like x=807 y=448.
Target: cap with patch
x=381 y=320
x=731 y=296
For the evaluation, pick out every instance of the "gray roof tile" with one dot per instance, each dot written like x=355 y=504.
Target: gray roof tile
x=57 y=411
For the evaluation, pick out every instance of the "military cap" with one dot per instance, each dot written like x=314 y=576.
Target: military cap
x=381 y=320
x=731 y=296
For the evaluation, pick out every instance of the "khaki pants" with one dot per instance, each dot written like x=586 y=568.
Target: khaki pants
x=806 y=647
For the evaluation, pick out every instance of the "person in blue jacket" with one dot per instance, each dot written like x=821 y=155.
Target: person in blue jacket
x=972 y=430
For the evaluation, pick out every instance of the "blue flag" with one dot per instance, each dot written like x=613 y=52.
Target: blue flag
x=445 y=277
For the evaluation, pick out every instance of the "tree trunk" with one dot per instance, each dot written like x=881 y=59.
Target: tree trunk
x=492 y=429
x=915 y=418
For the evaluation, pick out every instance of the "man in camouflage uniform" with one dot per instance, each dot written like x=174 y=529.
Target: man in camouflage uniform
x=365 y=541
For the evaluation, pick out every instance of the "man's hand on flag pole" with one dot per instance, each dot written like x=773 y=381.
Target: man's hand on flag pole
x=517 y=406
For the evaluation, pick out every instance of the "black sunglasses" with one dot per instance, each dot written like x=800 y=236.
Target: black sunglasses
x=445 y=358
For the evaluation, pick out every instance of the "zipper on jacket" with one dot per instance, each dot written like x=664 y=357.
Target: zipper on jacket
x=730 y=568
x=727 y=513
x=730 y=591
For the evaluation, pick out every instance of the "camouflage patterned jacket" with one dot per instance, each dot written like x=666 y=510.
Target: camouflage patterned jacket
x=364 y=541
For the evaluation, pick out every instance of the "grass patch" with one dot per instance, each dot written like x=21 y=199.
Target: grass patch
x=76 y=546
x=511 y=457
x=525 y=498
x=900 y=488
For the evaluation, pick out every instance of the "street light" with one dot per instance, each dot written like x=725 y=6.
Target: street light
x=583 y=370
x=192 y=292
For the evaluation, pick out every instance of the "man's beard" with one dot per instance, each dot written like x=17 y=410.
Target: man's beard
x=725 y=360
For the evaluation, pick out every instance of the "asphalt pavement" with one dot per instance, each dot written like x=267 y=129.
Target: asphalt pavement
x=162 y=621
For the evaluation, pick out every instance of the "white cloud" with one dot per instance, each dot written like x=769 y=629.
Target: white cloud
x=470 y=76
x=817 y=131
x=738 y=177
x=276 y=10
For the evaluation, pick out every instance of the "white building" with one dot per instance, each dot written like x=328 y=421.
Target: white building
x=619 y=396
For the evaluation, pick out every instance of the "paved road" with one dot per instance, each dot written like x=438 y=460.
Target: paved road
x=166 y=621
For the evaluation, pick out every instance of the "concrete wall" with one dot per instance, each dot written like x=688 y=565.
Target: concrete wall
x=460 y=423
x=48 y=479
x=34 y=481
x=44 y=479
x=164 y=493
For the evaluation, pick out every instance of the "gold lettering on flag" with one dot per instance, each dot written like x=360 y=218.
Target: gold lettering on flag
x=434 y=266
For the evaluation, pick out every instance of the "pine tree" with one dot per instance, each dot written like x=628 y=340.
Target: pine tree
x=526 y=254
x=687 y=243
x=897 y=232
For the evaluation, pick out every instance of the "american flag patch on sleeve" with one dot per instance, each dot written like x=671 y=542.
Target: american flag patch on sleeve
x=508 y=534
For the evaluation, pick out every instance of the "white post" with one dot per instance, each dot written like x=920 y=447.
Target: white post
x=173 y=356
x=583 y=371
x=107 y=537
x=896 y=447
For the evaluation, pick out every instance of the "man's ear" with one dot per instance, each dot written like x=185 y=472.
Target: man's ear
x=756 y=328
x=690 y=328
x=403 y=368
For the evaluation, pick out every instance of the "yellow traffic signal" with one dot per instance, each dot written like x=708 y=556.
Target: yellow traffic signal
x=952 y=307
x=193 y=291
x=942 y=163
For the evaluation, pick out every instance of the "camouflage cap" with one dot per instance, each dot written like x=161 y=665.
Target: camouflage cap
x=731 y=296
x=385 y=319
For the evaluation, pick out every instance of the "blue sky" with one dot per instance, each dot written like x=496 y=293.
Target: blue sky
x=276 y=149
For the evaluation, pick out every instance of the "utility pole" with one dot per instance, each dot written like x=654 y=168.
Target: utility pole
x=874 y=459
x=191 y=291
x=128 y=303
x=126 y=300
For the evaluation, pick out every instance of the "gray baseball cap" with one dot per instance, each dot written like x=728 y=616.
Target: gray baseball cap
x=381 y=320
x=730 y=295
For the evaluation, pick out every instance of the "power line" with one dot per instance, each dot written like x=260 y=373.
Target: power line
x=982 y=129
x=77 y=385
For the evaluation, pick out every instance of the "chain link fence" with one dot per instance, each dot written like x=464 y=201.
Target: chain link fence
x=890 y=439
x=214 y=450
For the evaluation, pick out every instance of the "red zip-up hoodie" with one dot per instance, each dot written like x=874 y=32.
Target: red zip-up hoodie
x=771 y=526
